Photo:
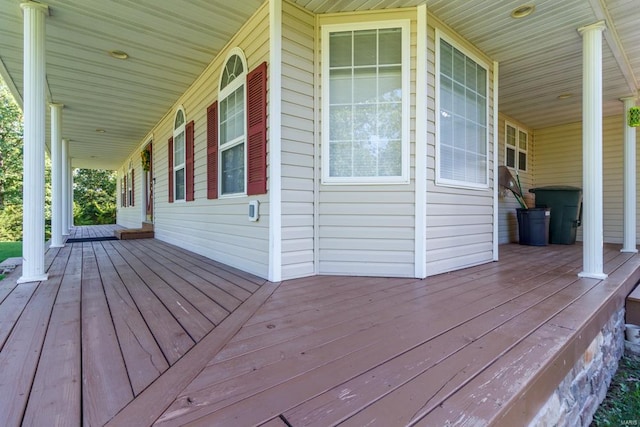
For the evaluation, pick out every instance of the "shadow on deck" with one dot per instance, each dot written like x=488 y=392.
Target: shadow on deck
x=142 y=332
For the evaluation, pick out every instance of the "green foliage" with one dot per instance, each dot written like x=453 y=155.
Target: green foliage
x=94 y=196
x=10 y=149
x=622 y=404
x=11 y=223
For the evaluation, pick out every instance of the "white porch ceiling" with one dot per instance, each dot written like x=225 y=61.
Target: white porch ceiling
x=170 y=42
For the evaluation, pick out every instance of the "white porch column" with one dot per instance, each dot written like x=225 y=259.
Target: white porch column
x=34 y=134
x=70 y=217
x=592 y=252
x=629 y=241
x=57 y=188
x=65 y=187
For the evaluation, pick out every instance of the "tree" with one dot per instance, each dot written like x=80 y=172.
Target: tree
x=94 y=196
x=10 y=149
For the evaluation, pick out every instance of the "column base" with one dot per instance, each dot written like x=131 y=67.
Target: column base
x=57 y=246
x=629 y=251
x=40 y=278
x=586 y=275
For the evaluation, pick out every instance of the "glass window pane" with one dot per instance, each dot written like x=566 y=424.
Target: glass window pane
x=459 y=105
x=511 y=136
x=340 y=84
x=390 y=84
x=364 y=122
x=446 y=94
x=459 y=66
x=390 y=39
x=446 y=128
x=341 y=128
x=178 y=149
x=510 y=160
x=390 y=158
x=522 y=161
x=365 y=47
x=470 y=74
x=481 y=81
x=390 y=121
x=179 y=119
x=340 y=49
x=523 y=140
x=446 y=59
x=446 y=161
x=365 y=84
x=365 y=158
x=179 y=183
x=341 y=160
x=232 y=170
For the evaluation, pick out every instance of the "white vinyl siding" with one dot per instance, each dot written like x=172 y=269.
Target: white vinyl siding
x=459 y=220
x=298 y=120
x=507 y=204
x=218 y=229
x=558 y=154
x=369 y=229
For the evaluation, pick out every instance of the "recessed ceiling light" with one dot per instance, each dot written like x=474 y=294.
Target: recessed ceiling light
x=118 y=54
x=565 y=95
x=522 y=11
x=100 y=130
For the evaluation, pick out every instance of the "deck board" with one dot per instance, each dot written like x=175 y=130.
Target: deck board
x=21 y=351
x=106 y=387
x=56 y=394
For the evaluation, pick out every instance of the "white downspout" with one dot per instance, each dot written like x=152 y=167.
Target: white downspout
x=629 y=241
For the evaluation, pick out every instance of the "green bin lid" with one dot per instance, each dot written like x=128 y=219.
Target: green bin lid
x=555 y=188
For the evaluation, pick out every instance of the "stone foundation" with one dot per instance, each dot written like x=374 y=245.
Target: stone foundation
x=577 y=397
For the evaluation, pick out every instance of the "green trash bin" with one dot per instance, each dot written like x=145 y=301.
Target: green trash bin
x=565 y=203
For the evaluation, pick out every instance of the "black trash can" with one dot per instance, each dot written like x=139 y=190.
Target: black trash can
x=565 y=203
x=533 y=226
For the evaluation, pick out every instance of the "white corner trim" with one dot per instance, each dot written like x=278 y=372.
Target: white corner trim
x=275 y=143
x=496 y=145
x=420 y=251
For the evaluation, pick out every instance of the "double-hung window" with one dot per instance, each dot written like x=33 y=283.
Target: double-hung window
x=232 y=130
x=462 y=117
x=365 y=102
x=516 y=145
x=179 y=155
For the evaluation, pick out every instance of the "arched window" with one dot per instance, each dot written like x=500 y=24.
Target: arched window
x=179 y=155
x=232 y=125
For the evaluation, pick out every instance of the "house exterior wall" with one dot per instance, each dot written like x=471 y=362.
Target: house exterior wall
x=558 y=153
x=298 y=141
x=130 y=216
x=507 y=204
x=459 y=221
x=218 y=229
x=368 y=229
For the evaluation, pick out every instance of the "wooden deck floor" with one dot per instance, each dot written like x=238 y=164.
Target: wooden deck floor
x=135 y=333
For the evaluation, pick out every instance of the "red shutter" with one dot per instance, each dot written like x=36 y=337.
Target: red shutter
x=170 y=157
x=133 y=187
x=126 y=192
x=257 y=130
x=212 y=151
x=189 y=167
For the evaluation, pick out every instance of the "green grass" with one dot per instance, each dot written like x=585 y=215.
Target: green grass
x=621 y=407
x=9 y=250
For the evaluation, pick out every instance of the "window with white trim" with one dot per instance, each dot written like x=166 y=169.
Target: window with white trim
x=232 y=127
x=462 y=105
x=179 y=155
x=366 y=102
x=516 y=146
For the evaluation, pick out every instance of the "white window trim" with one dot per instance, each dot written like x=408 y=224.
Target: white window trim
x=229 y=89
x=517 y=148
x=129 y=190
x=450 y=182
x=181 y=129
x=405 y=26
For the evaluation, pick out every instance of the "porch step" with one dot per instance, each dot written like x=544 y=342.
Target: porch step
x=633 y=307
x=146 y=232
